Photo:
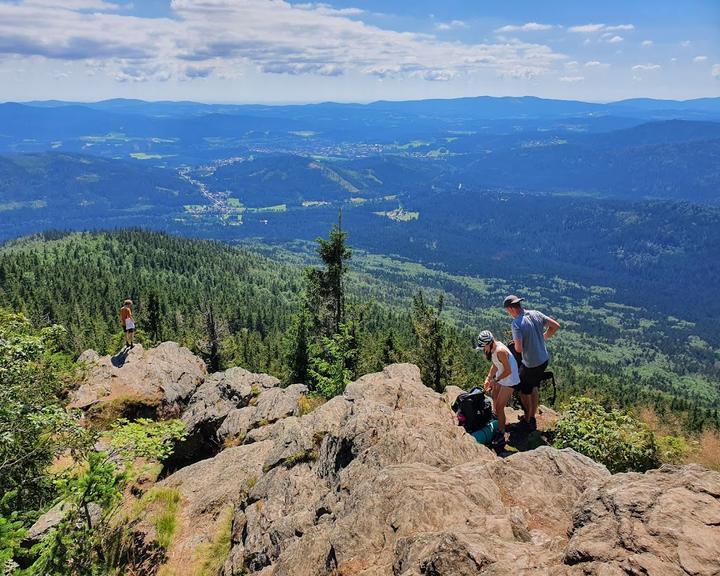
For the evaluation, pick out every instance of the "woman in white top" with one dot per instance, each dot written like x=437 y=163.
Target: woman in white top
x=502 y=376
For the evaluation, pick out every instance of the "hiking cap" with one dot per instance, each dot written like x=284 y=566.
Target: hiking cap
x=485 y=337
x=512 y=299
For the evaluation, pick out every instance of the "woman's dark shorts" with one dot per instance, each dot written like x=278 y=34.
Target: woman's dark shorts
x=531 y=377
x=129 y=330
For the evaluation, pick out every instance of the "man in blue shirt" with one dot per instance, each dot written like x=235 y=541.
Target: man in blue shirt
x=530 y=330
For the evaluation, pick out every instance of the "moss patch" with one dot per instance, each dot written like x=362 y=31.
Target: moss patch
x=211 y=557
x=161 y=506
x=309 y=402
x=105 y=413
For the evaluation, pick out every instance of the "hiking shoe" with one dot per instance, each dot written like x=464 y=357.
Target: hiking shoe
x=523 y=425
x=498 y=442
x=532 y=425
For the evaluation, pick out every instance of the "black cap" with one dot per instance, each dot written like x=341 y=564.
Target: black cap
x=512 y=299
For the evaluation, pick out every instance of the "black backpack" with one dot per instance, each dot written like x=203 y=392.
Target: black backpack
x=516 y=355
x=546 y=377
x=474 y=410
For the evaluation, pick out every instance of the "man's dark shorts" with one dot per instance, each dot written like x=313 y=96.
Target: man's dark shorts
x=531 y=377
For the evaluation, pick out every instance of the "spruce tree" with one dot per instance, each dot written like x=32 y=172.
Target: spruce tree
x=326 y=286
x=332 y=338
x=431 y=337
x=298 y=356
x=154 y=317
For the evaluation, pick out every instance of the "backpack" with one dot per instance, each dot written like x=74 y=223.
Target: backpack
x=516 y=355
x=473 y=410
x=546 y=377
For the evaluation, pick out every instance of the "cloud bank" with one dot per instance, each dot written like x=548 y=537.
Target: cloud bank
x=205 y=37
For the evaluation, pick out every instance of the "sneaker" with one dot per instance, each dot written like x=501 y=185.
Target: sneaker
x=522 y=425
x=532 y=425
x=498 y=442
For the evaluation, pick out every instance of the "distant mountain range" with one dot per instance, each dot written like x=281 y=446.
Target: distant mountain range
x=624 y=194
x=484 y=107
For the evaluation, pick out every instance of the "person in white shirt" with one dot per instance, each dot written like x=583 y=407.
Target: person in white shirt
x=501 y=379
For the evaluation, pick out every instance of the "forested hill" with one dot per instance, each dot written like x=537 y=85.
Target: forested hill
x=621 y=353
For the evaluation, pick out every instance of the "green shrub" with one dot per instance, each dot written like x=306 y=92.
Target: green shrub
x=147 y=438
x=34 y=428
x=612 y=437
x=673 y=449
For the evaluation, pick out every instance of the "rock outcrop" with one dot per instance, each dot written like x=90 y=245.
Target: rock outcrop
x=228 y=405
x=139 y=382
x=663 y=522
x=381 y=481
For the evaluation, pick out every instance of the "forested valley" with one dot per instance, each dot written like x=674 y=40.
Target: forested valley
x=253 y=293
x=318 y=314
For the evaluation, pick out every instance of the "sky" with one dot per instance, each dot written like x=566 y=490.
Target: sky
x=288 y=51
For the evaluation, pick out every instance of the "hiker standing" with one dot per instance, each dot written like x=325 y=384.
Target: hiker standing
x=502 y=377
x=128 y=323
x=530 y=330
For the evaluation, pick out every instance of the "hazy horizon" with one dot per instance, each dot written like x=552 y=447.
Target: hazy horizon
x=358 y=102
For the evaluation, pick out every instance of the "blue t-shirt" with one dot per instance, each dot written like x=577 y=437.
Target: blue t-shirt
x=529 y=328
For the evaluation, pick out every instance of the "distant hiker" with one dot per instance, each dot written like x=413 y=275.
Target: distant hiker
x=502 y=377
x=128 y=323
x=530 y=330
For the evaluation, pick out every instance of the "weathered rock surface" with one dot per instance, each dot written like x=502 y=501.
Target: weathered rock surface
x=151 y=381
x=665 y=522
x=228 y=405
x=210 y=405
x=381 y=481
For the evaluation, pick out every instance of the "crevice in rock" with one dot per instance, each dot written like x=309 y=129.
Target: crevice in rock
x=200 y=445
x=331 y=562
x=257 y=561
x=320 y=512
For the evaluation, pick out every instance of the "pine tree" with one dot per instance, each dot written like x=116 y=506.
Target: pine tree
x=326 y=286
x=212 y=335
x=298 y=356
x=154 y=317
x=431 y=337
x=331 y=362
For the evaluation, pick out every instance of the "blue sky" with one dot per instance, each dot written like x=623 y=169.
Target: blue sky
x=357 y=50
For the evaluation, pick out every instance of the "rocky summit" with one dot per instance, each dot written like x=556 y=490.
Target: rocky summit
x=381 y=481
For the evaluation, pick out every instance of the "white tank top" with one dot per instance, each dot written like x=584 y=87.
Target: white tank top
x=514 y=378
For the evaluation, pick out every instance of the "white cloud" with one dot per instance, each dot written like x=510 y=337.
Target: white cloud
x=206 y=37
x=528 y=27
x=615 y=40
x=647 y=43
x=572 y=79
x=700 y=59
x=596 y=64
x=595 y=28
x=716 y=71
x=328 y=9
x=573 y=64
x=99 y=5
x=646 y=67
x=587 y=28
x=685 y=43
x=452 y=25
